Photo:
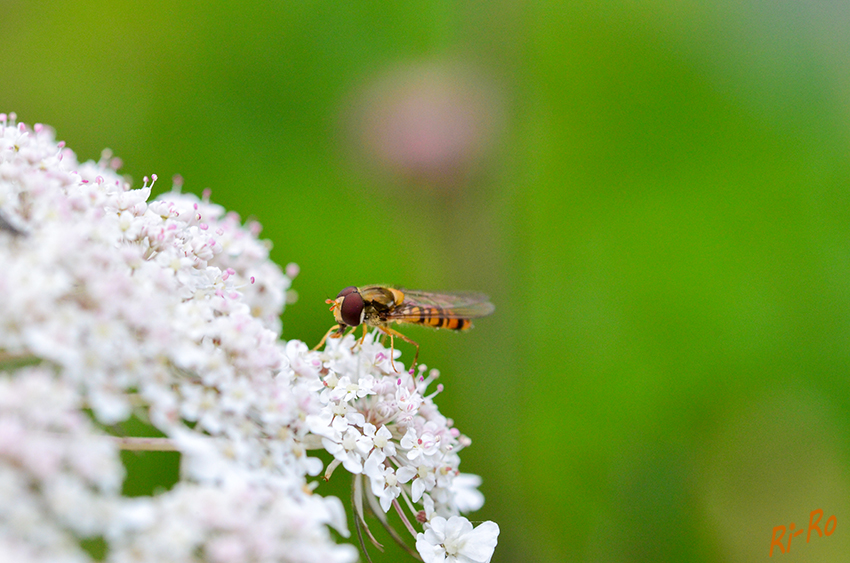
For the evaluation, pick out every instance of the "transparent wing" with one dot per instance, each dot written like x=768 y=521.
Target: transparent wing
x=448 y=305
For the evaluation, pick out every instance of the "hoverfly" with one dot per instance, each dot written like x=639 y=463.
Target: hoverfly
x=379 y=306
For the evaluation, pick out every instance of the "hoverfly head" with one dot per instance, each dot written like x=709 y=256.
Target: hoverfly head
x=348 y=307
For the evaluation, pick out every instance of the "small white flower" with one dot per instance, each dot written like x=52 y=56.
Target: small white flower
x=381 y=438
x=350 y=450
x=455 y=541
x=348 y=390
x=383 y=480
x=465 y=493
x=425 y=480
x=412 y=444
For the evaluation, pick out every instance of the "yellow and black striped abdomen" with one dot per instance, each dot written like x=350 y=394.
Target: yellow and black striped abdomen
x=436 y=317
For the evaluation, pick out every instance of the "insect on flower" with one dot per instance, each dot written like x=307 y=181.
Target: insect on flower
x=379 y=306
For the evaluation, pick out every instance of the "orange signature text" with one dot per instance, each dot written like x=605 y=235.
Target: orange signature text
x=779 y=531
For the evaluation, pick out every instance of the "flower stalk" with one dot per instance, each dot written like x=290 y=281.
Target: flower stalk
x=138 y=444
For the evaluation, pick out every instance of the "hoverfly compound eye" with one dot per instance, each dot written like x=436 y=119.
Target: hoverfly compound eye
x=346 y=291
x=351 y=310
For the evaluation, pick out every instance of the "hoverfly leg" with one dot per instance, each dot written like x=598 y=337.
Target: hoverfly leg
x=338 y=328
x=325 y=337
x=392 y=352
x=391 y=333
x=362 y=338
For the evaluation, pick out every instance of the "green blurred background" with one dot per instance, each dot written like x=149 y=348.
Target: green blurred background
x=655 y=194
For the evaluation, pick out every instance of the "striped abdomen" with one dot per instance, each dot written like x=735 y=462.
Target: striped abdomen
x=436 y=317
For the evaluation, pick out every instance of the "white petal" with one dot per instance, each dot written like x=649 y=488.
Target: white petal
x=481 y=542
x=430 y=552
x=438 y=528
x=405 y=474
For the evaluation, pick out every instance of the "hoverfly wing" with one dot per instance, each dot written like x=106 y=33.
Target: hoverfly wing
x=441 y=310
x=478 y=303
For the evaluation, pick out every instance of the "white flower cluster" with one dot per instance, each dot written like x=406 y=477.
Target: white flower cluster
x=58 y=476
x=112 y=307
x=378 y=422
